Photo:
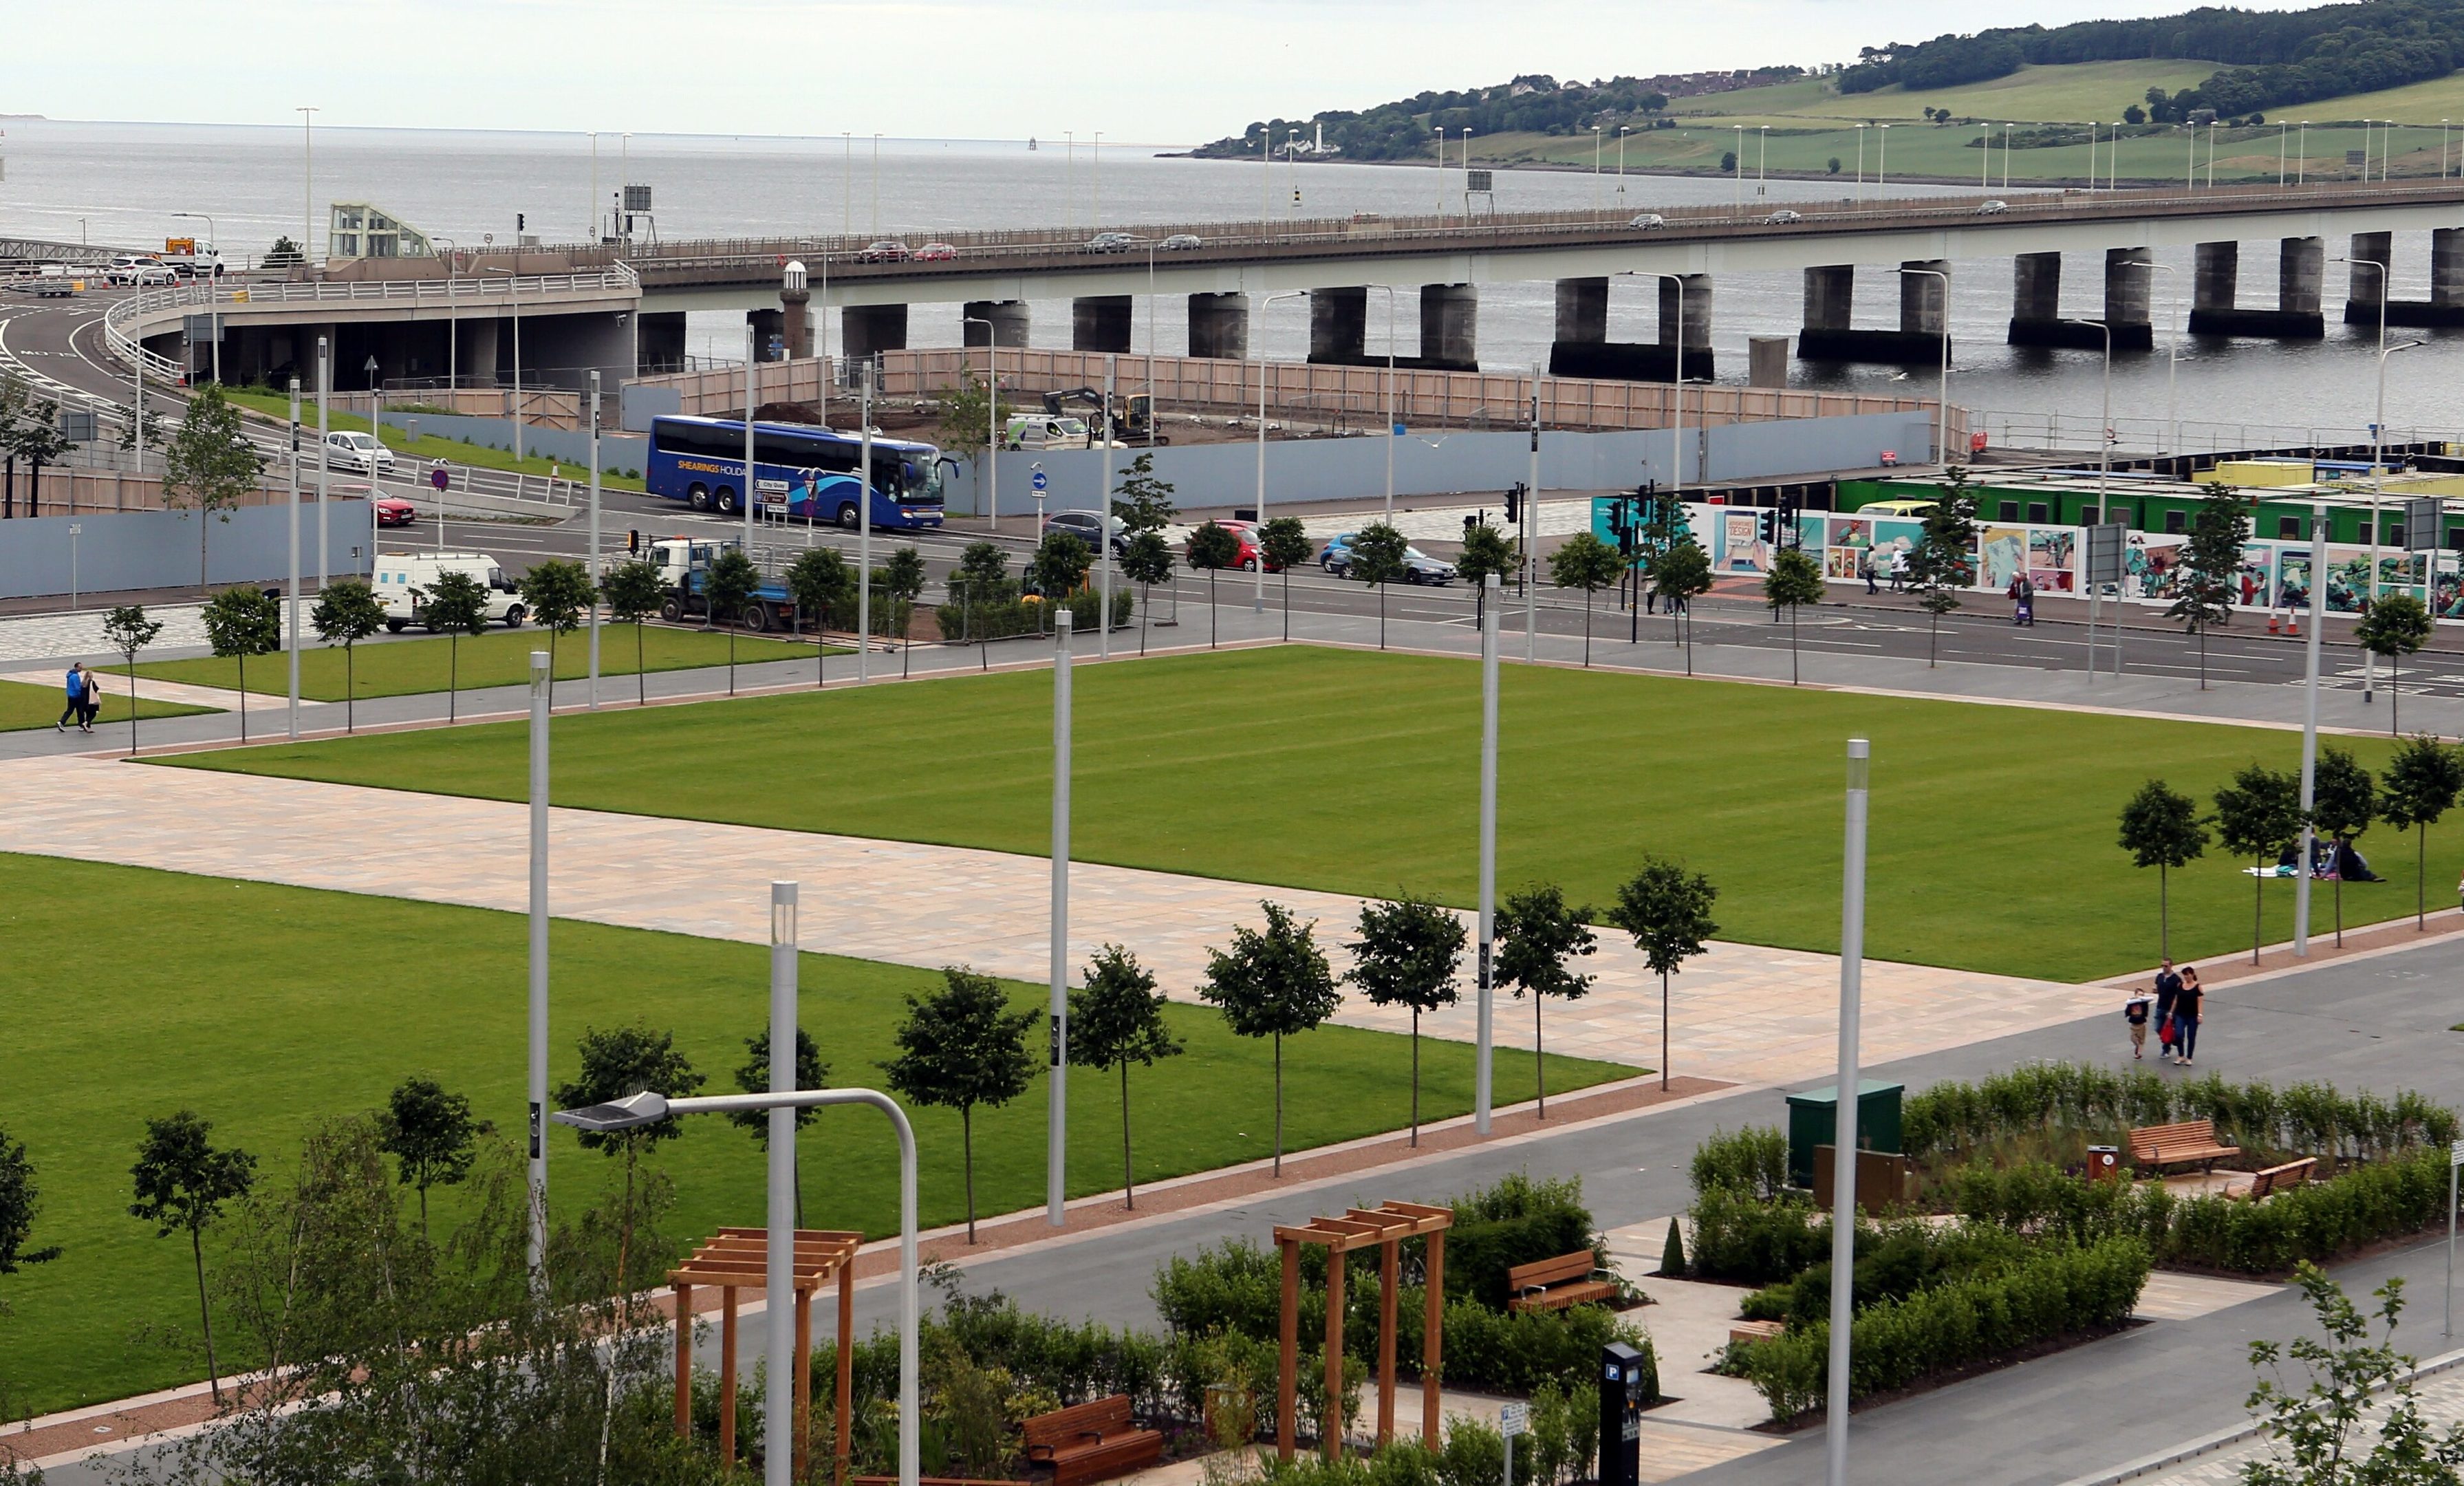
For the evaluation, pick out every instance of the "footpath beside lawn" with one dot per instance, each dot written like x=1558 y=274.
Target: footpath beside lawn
x=24 y=706
x=499 y=658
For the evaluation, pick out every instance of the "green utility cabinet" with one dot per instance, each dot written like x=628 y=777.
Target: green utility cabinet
x=1813 y=1119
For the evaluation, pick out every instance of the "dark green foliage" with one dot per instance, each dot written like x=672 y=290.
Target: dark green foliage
x=727 y=593
x=1212 y=548
x=1680 y=573
x=127 y=629
x=1532 y=102
x=1116 y=1020
x=960 y=1047
x=1743 y=1238
x=1893 y=1262
x=1284 y=544
x=1273 y=984
x=243 y=622
x=1753 y=1162
x=455 y=603
x=1667 y=910
x=1584 y=561
x=348 y=612
x=2211 y=562
x=2161 y=829
x=20 y=1199
x=430 y=1135
x=753 y=1077
x=1943 y=563
x=623 y=1062
x=2315 y=1435
x=1060 y=563
x=1142 y=502
x=2258 y=816
x=1487 y=551
x=2420 y=785
x=1518 y=1221
x=1377 y=554
x=1536 y=935
x=2344 y=801
x=2396 y=625
x=1672 y=1251
x=1146 y=559
x=1794 y=579
x=633 y=591
x=1407 y=955
x=182 y=1184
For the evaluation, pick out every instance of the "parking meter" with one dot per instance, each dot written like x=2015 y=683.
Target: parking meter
x=1625 y=1375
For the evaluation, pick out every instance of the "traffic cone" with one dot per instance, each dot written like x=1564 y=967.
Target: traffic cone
x=2293 y=625
x=2274 y=623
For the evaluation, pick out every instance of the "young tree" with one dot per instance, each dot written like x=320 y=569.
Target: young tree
x=2161 y=829
x=559 y=596
x=1275 y=984
x=617 y=1064
x=348 y=612
x=20 y=1199
x=2211 y=561
x=2422 y=782
x=632 y=592
x=38 y=442
x=1116 y=1020
x=980 y=579
x=1378 y=555
x=903 y=581
x=127 y=630
x=970 y=411
x=209 y=464
x=1141 y=501
x=820 y=581
x=1668 y=911
x=960 y=1047
x=1680 y=574
x=727 y=589
x=1212 y=548
x=1284 y=544
x=1407 y=954
x=2258 y=816
x=182 y=1184
x=430 y=1135
x=1536 y=935
x=1795 y=581
x=2344 y=801
x=1147 y=561
x=454 y=605
x=753 y=1077
x=2396 y=625
x=2316 y=1436
x=1485 y=550
x=284 y=254
x=1583 y=561
x=1059 y=564
x=243 y=622
x=1944 y=563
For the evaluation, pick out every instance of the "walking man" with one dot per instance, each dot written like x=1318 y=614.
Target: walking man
x=75 y=688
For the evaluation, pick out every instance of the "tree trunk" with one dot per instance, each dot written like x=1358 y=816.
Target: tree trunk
x=1214 y=617
x=453 y=678
x=1278 y=1103
x=243 y=695
x=2395 y=676
x=351 y=688
x=2203 y=656
x=1382 y=616
x=1933 y=635
x=1587 y=629
x=132 y=703
x=967 y=1139
x=1663 y=1031
x=1129 y=1174
x=1146 y=597
x=1415 y=1075
x=731 y=660
x=551 y=666
x=2258 y=908
x=2340 y=890
x=2163 y=917
x=1689 y=638
x=1539 y=1060
x=1287 y=609
x=422 y=1211
x=2420 y=877
x=1792 y=645
x=205 y=1314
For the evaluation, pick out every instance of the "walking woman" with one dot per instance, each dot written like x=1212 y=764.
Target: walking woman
x=2186 y=1015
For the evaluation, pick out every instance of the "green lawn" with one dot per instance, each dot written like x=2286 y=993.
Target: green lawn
x=500 y=658
x=265 y=1008
x=428 y=446
x=24 y=706
x=1993 y=840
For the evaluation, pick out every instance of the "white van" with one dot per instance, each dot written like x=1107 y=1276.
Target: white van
x=1046 y=431
x=402 y=580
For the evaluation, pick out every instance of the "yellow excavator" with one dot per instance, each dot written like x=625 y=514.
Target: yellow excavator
x=1131 y=417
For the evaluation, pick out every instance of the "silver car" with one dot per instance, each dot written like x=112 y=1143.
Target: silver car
x=1648 y=221
x=1110 y=242
x=1181 y=242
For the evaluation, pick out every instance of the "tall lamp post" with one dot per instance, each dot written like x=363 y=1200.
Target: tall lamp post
x=1942 y=386
x=1677 y=386
x=2103 y=507
x=2310 y=728
x=991 y=415
x=307 y=179
x=2173 y=352
x=2378 y=460
x=1259 y=598
x=214 y=239
x=1843 y=1180
x=513 y=297
x=1389 y=291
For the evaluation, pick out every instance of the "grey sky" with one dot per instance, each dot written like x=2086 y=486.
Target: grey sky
x=1159 y=71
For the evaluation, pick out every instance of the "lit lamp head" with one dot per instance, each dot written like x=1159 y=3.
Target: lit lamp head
x=630 y=1113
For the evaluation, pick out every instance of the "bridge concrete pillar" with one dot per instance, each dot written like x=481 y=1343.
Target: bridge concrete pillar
x=1006 y=323
x=2215 y=280
x=1830 y=297
x=1582 y=311
x=1100 y=323
x=2036 y=301
x=1219 y=326
x=480 y=339
x=1925 y=300
x=1766 y=360
x=2446 y=267
x=2365 y=286
x=866 y=329
x=1339 y=325
x=1450 y=327
x=1692 y=294
x=659 y=340
x=765 y=325
x=2302 y=274
x=2127 y=280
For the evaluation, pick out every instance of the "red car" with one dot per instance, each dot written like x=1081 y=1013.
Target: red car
x=395 y=511
x=936 y=252
x=1247 y=561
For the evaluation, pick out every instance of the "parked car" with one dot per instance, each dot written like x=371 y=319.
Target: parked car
x=1783 y=218
x=1993 y=208
x=1110 y=242
x=936 y=252
x=887 y=251
x=1648 y=220
x=395 y=511
x=1249 y=556
x=402 y=582
x=357 y=452
x=1181 y=242
x=1419 y=567
x=1044 y=430
x=1081 y=525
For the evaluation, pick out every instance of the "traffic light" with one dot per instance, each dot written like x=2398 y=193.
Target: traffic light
x=1514 y=504
x=633 y=540
x=1766 y=526
x=521 y=220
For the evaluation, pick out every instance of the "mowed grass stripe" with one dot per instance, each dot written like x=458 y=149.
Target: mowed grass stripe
x=499 y=658
x=24 y=704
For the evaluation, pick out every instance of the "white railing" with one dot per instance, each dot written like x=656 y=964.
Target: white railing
x=2076 y=434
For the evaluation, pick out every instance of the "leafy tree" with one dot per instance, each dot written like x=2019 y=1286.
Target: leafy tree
x=1377 y=554
x=20 y=1199
x=1059 y=564
x=727 y=590
x=1668 y=911
x=1728 y=161
x=1583 y=561
x=1536 y=935
x=1680 y=574
x=559 y=594
x=1116 y=1020
x=1284 y=544
x=454 y=605
x=970 y=411
x=1213 y=548
x=16 y=416
x=127 y=629
x=1944 y=563
x=38 y=441
x=1795 y=581
x=903 y=580
x=2316 y=1436
x=820 y=584
x=960 y=1047
x=348 y=612
x=753 y=1077
x=2258 y=816
x=2396 y=625
x=1275 y=984
x=1407 y=954
x=182 y=1184
x=284 y=254
x=1485 y=550
x=2421 y=783
x=1141 y=501
x=617 y=1064
x=633 y=591
x=208 y=463
x=428 y=1132
x=2344 y=801
x=1146 y=561
x=982 y=578
x=2211 y=561
x=243 y=622
x=2161 y=829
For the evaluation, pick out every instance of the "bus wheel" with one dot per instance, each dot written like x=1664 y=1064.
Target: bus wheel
x=726 y=501
x=756 y=616
x=698 y=498
x=847 y=514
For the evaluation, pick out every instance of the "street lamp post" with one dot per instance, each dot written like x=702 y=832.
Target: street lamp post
x=1259 y=598
x=1388 y=290
x=1942 y=386
x=307 y=180
x=2302 y=157
x=1843 y=1180
x=1882 y=157
x=1494 y=598
x=1861 y=164
x=1677 y=386
x=540 y=683
x=1056 y=1121
x=2104 y=511
x=213 y=240
x=594 y=539
x=290 y=591
x=2173 y=352
x=1737 y=170
x=991 y=415
x=452 y=322
x=1595 y=166
x=2378 y=462
x=2310 y=728
x=1623 y=130
x=513 y=297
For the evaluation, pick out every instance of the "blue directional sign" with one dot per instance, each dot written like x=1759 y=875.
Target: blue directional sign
x=1038 y=482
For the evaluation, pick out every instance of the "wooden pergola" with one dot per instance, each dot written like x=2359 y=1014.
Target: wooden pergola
x=737 y=1259
x=1385 y=1226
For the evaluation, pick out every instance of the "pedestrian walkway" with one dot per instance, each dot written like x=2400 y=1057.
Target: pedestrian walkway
x=1740 y=1014
x=222 y=699
x=2440 y=1390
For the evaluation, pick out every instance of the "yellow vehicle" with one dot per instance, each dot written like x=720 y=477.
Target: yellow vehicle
x=1899 y=507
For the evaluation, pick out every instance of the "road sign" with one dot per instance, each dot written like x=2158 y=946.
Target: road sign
x=1514 y=1419
x=2106 y=542
x=1038 y=481
x=2421 y=523
x=2455 y=1154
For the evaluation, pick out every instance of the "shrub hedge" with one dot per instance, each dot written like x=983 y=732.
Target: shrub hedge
x=1562 y=1437
x=1754 y=1160
x=1893 y=1262
x=1738 y=1237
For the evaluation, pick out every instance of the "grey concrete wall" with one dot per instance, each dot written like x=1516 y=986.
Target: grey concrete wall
x=616 y=451
x=158 y=550
x=1226 y=475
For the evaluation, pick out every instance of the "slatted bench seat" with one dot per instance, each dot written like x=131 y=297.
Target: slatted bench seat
x=2277 y=1179
x=1553 y=1285
x=2192 y=1140
x=1092 y=1441
x=1755 y=1330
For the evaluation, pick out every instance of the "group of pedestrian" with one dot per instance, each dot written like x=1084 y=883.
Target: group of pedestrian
x=2022 y=594
x=84 y=691
x=2176 y=1006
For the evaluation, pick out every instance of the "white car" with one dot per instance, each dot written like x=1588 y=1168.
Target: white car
x=1648 y=221
x=1992 y=209
x=357 y=452
x=130 y=268
x=401 y=581
x=1783 y=218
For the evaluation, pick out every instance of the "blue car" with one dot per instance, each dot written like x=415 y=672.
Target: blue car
x=1419 y=567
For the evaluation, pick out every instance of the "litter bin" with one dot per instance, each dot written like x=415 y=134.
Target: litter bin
x=1813 y=1119
x=2104 y=1162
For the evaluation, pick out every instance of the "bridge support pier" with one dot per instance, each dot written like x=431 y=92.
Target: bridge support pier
x=658 y=341
x=1583 y=348
x=1219 y=326
x=1829 y=335
x=866 y=328
x=479 y=340
x=2128 y=284
x=1582 y=311
x=2036 y=301
x=1691 y=294
x=1450 y=327
x=1006 y=323
x=767 y=325
x=2365 y=285
x=1100 y=323
x=2299 y=264
x=1338 y=326
x=2445 y=306
x=2447 y=268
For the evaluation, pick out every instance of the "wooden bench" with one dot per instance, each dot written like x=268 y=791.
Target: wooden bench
x=2165 y=1145
x=1553 y=1285
x=2276 y=1179
x=1092 y=1441
x=1755 y=1330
